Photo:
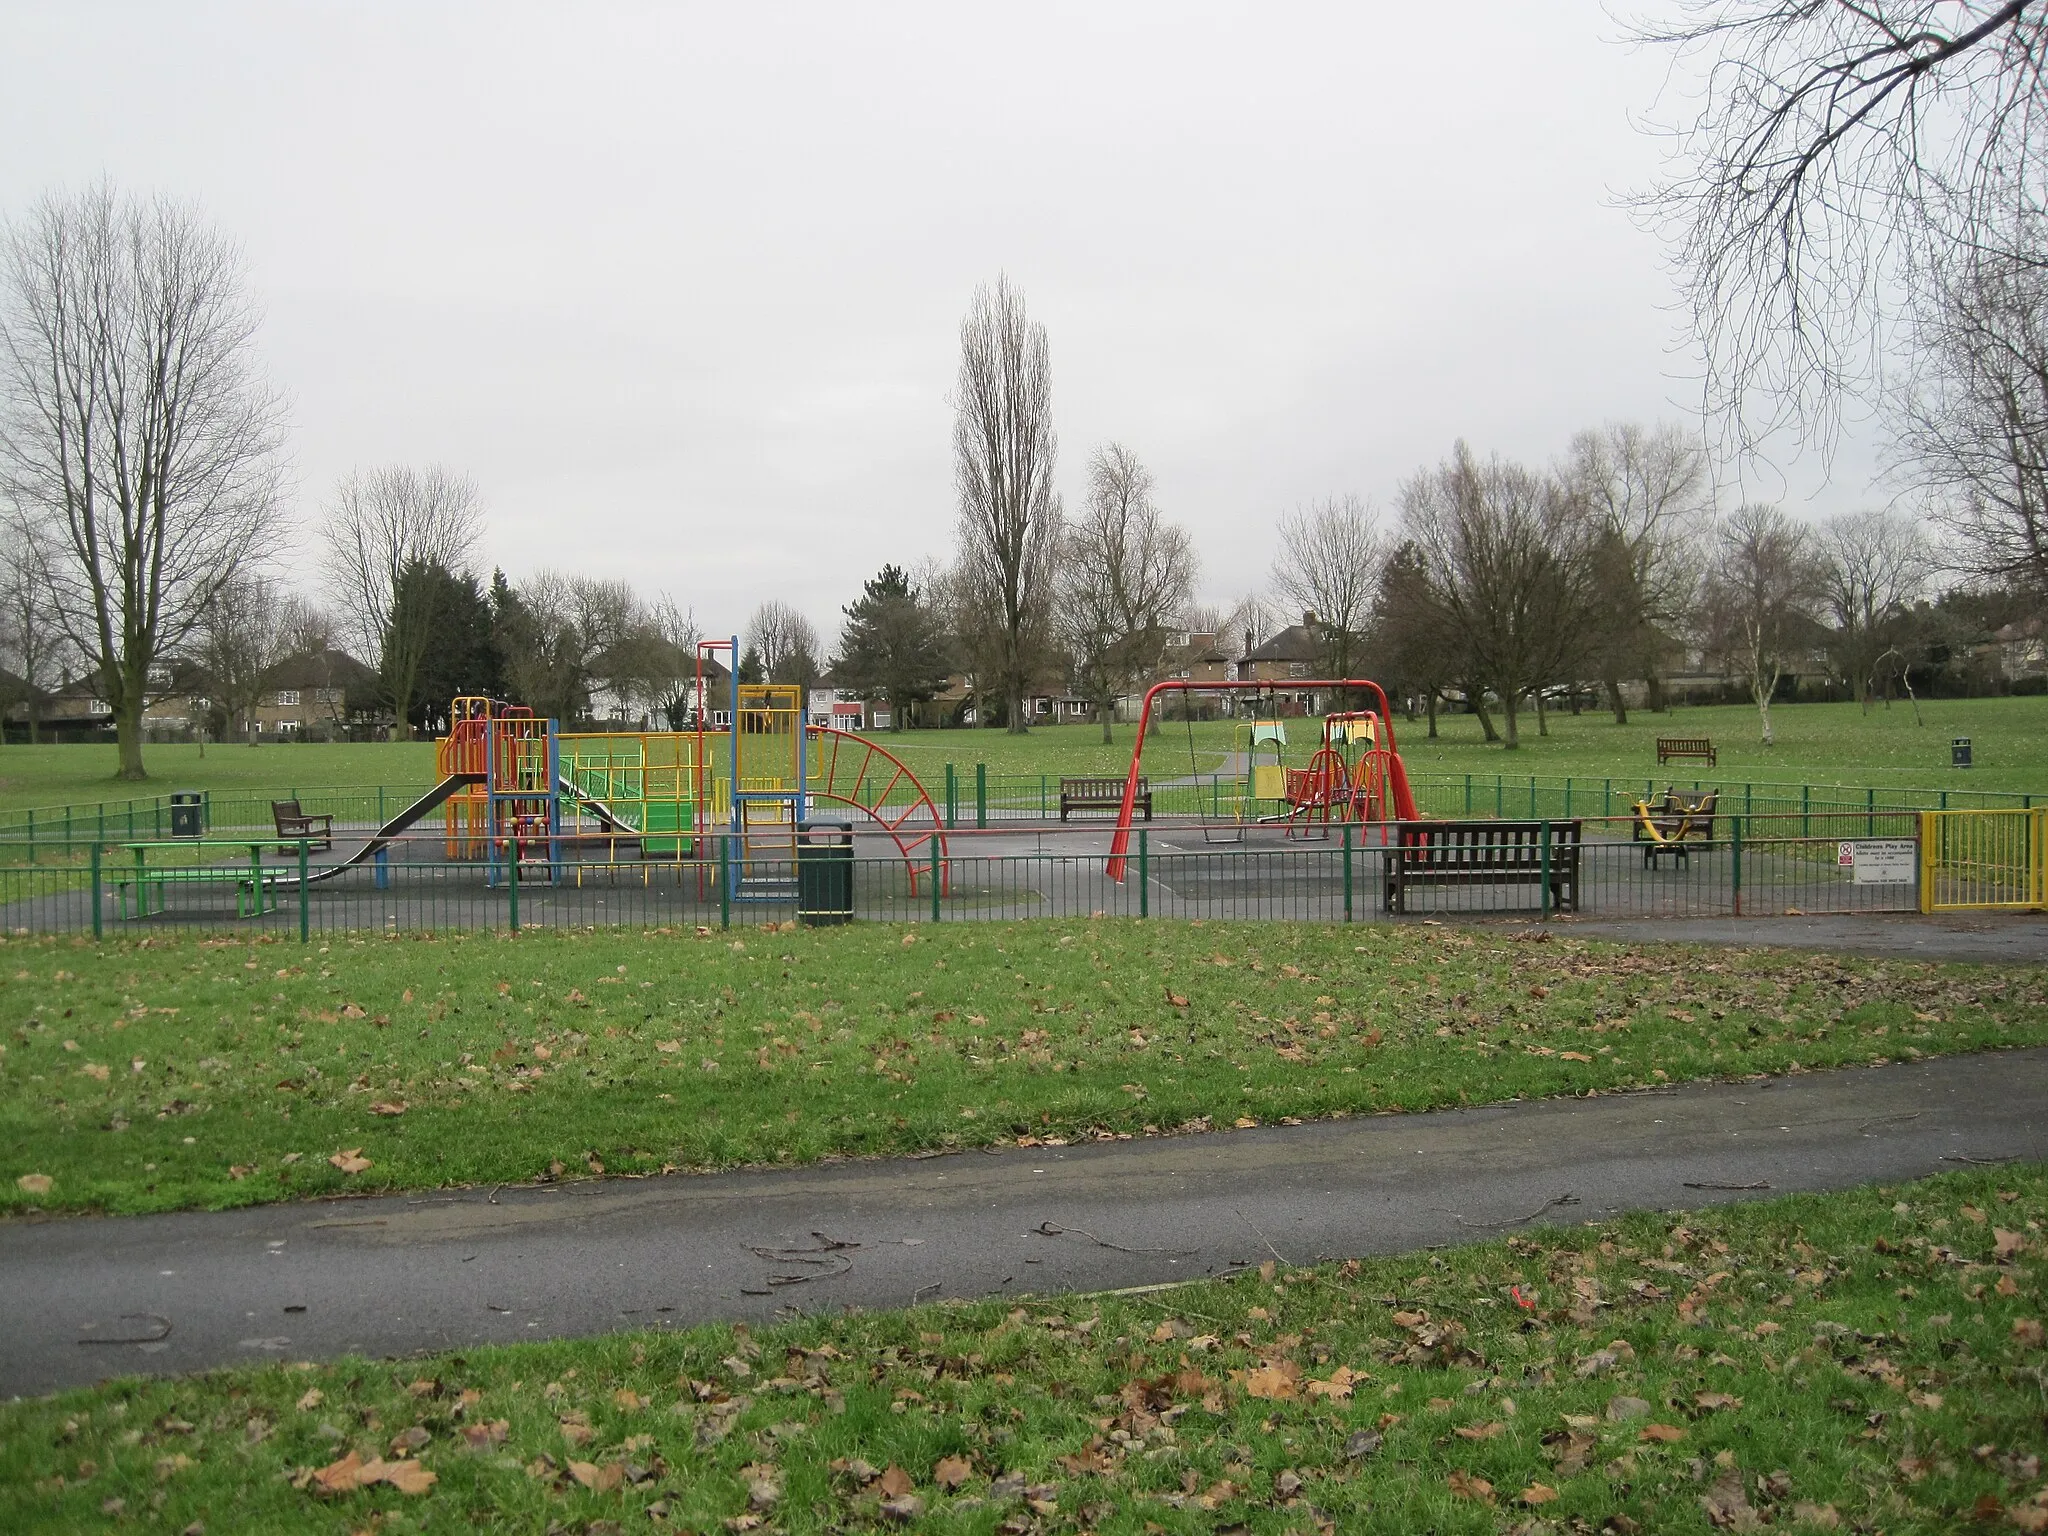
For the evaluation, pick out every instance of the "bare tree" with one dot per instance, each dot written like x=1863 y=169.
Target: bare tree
x=1971 y=424
x=1125 y=574
x=569 y=636
x=1875 y=565
x=1841 y=152
x=1329 y=564
x=1004 y=451
x=239 y=644
x=1507 y=554
x=1651 y=491
x=32 y=635
x=135 y=430
x=381 y=523
x=779 y=634
x=1763 y=589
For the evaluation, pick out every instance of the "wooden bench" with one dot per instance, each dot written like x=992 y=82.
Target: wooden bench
x=1426 y=853
x=1101 y=795
x=1672 y=747
x=295 y=823
x=1679 y=823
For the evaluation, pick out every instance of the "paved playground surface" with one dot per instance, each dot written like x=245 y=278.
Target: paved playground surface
x=92 y=1298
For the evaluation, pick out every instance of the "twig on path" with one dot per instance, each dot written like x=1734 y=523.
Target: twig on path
x=1888 y=1119
x=1513 y=1221
x=1978 y=1162
x=151 y=1338
x=1759 y=1184
x=824 y=1261
x=1277 y=1254
x=1054 y=1229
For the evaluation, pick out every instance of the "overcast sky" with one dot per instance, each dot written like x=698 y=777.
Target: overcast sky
x=681 y=285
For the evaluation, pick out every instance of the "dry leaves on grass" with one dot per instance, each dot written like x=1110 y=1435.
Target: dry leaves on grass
x=34 y=1183
x=1661 y=1434
x=1274 y=1383
x=388 y=1107
x=350 y=1160
x=952 y=1472
x=1537 y=1493
x=1338 y=1386
x=894 y=1483
x=1707 y=1402
x=1478 y=1431
x=1464 y=1485
x=352 y=1472
x=598 y=1479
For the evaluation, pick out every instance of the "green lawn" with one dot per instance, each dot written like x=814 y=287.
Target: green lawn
x=84 y=775
x=1869 y=1361
x=160 y=1074
x=1817 y=743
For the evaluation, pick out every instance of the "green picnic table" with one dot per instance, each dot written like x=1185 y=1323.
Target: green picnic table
x=147 y=878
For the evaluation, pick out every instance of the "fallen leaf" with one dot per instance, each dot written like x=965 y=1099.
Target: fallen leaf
x=895 y=1482
x=1274 y=1383
x=1537 y=1493
x=313 y=1399
x=351 y=1160
x=1707 y=1402
x=1337 y=1387
x=95 y=1071
x=598 y=1479
x=1464 y=1485
x=2005 y=1244
x=1822 y=1517
x=1478 y=1431
x=905 y=1506
x=387 y=1107
x=1662 y=1434
x=2026 y=1331
x=481 y=1437
x=1574 y=1056
x=406 y=1476
x=1727 y=1506
x=343 y=1476
x=952 y=1472
x=34 y=1183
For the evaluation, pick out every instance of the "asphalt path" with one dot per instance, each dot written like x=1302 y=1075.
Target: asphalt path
x=90 y=1298
x=1979 y=938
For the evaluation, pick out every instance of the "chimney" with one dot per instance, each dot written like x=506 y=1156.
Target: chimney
x=1308 y=618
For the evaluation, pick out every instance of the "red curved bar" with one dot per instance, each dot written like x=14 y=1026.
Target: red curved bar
x=832 y=739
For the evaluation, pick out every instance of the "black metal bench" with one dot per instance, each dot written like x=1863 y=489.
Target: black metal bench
x=1101 y=795
x=1678 y=823
x=1669 y=747
x=1426 y=853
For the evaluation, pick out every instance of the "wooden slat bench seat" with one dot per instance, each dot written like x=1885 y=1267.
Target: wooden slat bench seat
x=295 y=823
x=1426 y=853
x=1671 y=747
x=1101 y=795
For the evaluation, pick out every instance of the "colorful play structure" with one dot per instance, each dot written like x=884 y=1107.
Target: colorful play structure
x=531 y=802
x=1355 y=773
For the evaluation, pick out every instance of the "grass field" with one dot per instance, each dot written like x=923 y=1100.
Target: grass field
x=1817 y=743
x=164 y=1074
x=1868 y=1361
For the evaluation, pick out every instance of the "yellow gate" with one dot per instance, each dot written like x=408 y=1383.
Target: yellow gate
x=1983 y=859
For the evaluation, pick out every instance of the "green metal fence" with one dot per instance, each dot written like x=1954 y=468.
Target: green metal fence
x=1812 y=862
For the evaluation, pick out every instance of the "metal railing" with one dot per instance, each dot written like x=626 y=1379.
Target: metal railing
x=1756 y=866
x=1983 y=859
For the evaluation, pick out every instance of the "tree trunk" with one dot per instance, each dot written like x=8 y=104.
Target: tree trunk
x=1017 y=726
x=1761 y=691
x=1429 y=702
x=1542 y=715
x=1653 y=694
x=1102 y=714
x=35 y=722
x=1510 y=701
x=1478 y=702
x=128 y=735
x=1615 y=701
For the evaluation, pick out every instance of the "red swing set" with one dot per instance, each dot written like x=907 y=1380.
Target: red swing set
x=1334 y=786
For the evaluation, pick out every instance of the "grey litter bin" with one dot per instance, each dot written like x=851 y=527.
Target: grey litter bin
x=1959 y=752
x=824 y=873
x=188 y=813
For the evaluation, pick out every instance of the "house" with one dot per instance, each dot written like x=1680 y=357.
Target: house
x=1289 y=656
x=831 y=702
x=2021 y=649
x=306 y=697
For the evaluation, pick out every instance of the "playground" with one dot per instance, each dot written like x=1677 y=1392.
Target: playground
x=761 y=816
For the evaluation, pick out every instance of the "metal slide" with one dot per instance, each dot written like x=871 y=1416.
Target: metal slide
x=429 y=802
x=603 y=812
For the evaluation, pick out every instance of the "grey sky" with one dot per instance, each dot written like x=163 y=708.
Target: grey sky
x=680 y=285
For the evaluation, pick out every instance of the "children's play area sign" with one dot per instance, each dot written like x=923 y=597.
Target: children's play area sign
x=1887 y=862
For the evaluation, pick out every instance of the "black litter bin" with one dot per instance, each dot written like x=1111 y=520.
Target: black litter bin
x=824 y=873
x=188 y=813
x=1959 y=752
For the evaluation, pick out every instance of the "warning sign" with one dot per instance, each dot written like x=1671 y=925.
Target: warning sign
x=1885 y=862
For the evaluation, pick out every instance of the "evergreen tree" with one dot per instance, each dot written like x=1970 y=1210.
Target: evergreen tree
x=893 y=645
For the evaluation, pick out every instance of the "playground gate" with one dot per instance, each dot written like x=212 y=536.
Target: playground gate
x=1983 y=860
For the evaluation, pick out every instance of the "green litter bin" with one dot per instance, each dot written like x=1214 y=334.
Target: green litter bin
x=188 y=813
x=824 y=873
